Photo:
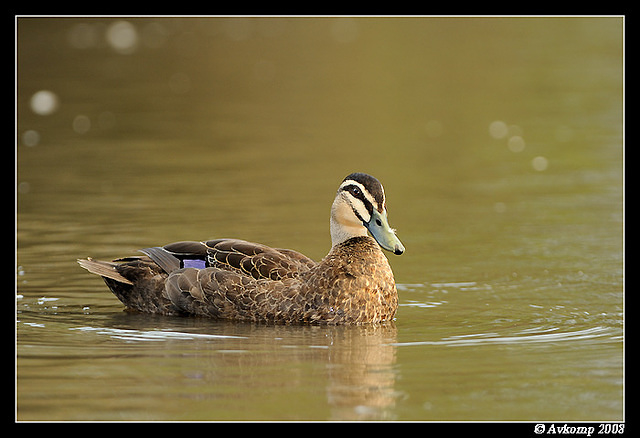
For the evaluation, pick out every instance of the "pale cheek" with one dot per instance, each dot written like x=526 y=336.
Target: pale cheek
x=343 y=214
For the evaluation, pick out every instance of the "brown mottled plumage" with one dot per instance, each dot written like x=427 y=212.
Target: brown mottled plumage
x=237 y=280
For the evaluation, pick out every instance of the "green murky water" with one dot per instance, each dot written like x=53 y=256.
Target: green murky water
x=499 y=142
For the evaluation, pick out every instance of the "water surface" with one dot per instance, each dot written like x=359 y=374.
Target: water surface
x=499 y=142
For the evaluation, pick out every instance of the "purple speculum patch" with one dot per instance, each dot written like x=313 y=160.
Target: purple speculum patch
x=200 y=264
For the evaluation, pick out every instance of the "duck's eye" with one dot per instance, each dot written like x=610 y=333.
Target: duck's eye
x=355 y=191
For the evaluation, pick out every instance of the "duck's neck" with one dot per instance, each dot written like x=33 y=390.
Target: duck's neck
x=342 y=227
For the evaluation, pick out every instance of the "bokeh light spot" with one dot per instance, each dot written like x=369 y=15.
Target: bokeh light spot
x=516 y=144
x=540 y=163
x=498 y=129
x=122 y=37
x=81 y=124
x=44 y=102
x=30 y=138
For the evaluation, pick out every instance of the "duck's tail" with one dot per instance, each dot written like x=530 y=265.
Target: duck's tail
x=103 y=269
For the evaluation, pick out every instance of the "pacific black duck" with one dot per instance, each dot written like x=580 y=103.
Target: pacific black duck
x=237 y=280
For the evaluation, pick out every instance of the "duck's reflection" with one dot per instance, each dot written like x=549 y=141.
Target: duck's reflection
x=361 y=373
x=354 y=364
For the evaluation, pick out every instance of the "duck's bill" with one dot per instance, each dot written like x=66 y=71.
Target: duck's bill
x=386 y=237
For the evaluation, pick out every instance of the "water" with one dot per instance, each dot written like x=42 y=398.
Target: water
x=499 y=142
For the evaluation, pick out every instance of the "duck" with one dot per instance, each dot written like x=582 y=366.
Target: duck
x=233 y=279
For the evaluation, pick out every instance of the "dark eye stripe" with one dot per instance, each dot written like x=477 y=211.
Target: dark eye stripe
x=357 y=193
x=373 y=186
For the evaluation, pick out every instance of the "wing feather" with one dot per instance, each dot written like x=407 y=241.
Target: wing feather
x=164 y=259
x=257 y=260
x=185 y=248
x=225 y=294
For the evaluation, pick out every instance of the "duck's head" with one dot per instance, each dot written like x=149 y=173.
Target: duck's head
x=360 y=206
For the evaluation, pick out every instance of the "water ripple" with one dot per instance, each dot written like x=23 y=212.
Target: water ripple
x=533 y=335
x=151 y=335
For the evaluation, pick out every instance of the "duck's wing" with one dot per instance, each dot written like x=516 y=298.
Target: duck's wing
x=231 y=278
x=223 y=294
x=257 y=260
x=248 y=258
